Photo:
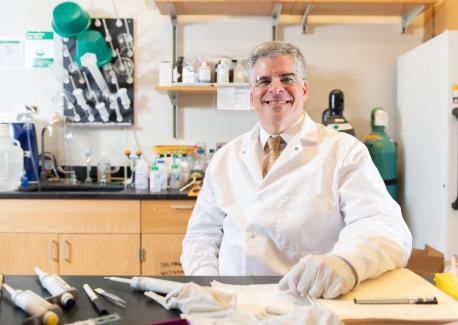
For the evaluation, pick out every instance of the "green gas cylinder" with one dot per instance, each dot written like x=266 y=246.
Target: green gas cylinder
x=383 y=150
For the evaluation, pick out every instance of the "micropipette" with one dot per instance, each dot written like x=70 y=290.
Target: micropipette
x=149 y=284
x=37 y=307
x=63 y=294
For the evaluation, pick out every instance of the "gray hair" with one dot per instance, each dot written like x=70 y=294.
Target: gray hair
x=276 y=48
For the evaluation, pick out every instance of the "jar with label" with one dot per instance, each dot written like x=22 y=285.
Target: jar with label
x=204 y=73
x=164 y=173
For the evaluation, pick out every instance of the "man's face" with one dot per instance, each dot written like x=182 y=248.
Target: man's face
x=278 y=93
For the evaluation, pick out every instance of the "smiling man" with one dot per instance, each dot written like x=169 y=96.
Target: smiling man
x=293 y=198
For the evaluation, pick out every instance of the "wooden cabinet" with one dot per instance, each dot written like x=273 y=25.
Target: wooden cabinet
x=163 y=225
x=20 y=253
x=91 y=237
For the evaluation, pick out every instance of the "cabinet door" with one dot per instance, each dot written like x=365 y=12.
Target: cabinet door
x=162 y=254
x=165 y=216
x=20 y=253
x=99 y=254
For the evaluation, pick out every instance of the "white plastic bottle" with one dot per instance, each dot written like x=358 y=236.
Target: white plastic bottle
x=175 y=177
x=164 y=173
x=141 y=175
x=204 y=73
x=223 y=71
x=155 y=179
x=11 y=161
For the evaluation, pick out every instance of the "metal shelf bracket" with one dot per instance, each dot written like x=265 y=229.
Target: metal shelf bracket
x=275 y=19
x=408 y=18
x=305 y=17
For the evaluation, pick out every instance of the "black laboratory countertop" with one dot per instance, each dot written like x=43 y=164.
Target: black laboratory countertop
x=140 y=309
x=124 y=194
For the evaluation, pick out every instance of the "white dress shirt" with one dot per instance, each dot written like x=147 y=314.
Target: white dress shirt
x=322 y=195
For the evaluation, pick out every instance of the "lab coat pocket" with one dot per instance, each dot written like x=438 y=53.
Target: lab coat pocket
x=308 y=225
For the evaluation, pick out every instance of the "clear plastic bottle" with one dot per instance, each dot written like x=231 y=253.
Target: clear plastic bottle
x=141 y=175
x=11 y=161
x=155 y=179
x=223 y=71
x=104 y=169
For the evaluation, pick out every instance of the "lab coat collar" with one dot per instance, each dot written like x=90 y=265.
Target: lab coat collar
x=250 y=151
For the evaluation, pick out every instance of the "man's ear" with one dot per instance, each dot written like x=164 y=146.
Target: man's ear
x=305 y=89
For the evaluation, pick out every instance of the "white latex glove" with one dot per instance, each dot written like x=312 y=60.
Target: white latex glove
x=193 y=298
x=326 y=276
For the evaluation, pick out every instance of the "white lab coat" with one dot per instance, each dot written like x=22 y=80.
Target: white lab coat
x=322 y=195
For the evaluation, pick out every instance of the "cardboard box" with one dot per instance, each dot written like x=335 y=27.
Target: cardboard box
x=426 y=262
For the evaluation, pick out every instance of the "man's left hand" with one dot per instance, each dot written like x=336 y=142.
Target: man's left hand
x=326 y=276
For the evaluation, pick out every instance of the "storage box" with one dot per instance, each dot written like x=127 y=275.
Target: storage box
x=447 y=283
x=426 y=262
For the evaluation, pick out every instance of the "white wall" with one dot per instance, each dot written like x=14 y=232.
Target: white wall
x=359 y=58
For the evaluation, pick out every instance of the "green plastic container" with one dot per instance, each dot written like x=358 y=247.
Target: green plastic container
x=92 y=41
x=69 y=19
x=383 y=150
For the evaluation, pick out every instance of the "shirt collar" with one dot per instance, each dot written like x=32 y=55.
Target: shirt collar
x=286 y=135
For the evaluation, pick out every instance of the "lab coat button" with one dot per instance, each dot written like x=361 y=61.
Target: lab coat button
x=252 y=235
x=296 y=148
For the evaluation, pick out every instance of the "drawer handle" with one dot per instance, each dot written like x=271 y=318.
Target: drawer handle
x=51 y=244
x=65 y=256
x=182 y=207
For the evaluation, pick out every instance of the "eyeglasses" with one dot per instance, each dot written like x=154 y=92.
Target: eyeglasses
x=287 y=80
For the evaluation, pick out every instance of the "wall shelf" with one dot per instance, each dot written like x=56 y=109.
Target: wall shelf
x=197 y=89
x=289 y=7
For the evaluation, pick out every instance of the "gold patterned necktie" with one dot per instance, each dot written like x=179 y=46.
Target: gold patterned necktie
x=274 y=147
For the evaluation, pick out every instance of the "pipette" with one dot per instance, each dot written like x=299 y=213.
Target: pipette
x=37 y=307
x=63 y=294
x=149 y=284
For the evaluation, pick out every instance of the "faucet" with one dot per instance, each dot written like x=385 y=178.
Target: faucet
x=88 y=178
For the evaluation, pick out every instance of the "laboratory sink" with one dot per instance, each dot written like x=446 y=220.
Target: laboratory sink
x=68 y=187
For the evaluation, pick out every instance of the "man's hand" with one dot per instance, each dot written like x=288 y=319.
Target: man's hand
x=326 y=276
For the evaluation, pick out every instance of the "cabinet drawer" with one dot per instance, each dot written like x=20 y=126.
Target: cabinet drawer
x=165 y=216
x=161 y=254
x=70 y=216
x=99 y=254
